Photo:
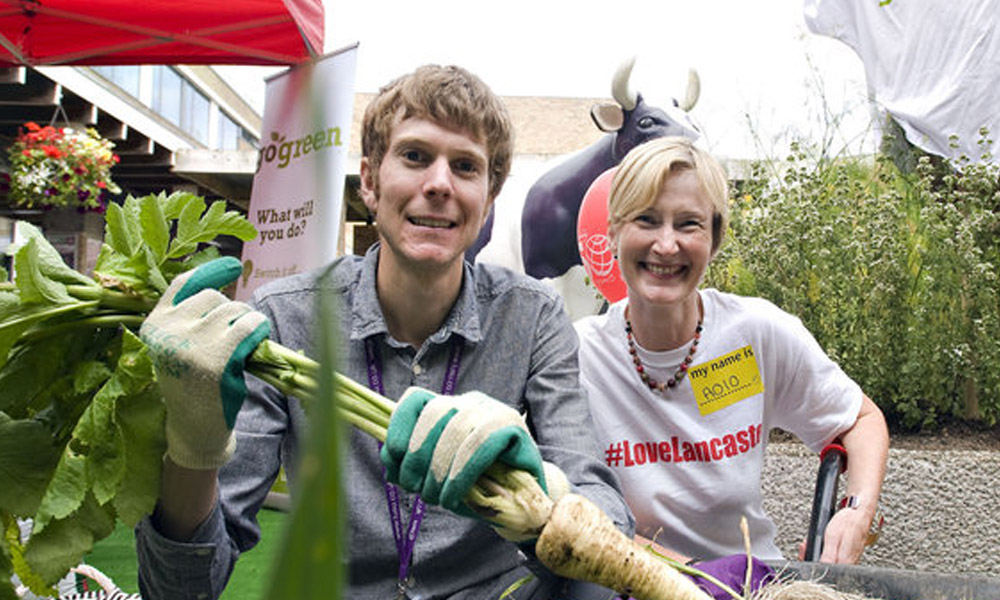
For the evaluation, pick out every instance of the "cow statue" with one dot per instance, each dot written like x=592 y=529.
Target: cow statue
x=548 y=220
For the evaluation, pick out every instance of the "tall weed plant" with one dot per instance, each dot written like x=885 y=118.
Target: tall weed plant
x=894 y=273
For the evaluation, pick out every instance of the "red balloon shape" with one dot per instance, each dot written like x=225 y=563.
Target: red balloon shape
x=593 y=242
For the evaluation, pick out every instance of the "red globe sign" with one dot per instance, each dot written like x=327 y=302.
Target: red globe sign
x=593 y=242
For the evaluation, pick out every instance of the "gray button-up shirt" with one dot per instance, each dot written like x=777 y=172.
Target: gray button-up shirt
x=519 y=347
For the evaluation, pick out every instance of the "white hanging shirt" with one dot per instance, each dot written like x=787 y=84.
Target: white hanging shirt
x=934 y=65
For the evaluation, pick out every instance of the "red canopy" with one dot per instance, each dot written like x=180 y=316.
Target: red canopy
x=129 y=32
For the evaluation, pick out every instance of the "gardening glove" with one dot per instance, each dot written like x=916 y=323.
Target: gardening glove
x=438 y=445
x=731 y=570
x=199 y=341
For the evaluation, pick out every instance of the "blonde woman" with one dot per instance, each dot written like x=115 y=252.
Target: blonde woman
x=686 y=383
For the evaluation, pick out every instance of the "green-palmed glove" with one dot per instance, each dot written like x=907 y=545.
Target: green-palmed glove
x=438 y=445
x=199 y=341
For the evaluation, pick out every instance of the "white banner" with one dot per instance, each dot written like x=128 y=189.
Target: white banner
x=298 y=189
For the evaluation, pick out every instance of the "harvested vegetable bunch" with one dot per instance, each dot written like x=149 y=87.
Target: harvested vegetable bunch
x=81 y=420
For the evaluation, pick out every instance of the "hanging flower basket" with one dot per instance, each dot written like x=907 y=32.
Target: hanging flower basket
x=60 y=167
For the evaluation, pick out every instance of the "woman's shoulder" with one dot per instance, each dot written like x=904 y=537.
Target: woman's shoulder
x=751 y=314
x=750 y=306
x=593 y=328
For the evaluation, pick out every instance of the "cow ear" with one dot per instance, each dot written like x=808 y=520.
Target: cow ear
x=608 y=117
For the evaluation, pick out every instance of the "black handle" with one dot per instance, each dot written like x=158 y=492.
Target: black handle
x=832 y=462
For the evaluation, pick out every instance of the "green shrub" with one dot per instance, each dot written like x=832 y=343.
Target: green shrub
x=895 y=274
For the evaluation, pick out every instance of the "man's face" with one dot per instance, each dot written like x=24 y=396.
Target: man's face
x=430 y=194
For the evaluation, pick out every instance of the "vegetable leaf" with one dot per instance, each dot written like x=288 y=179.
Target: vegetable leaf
x=48 y=261
x=189 y=216
x=139 y=415
x=99 y=430
x=32 y=282
x=155 y=229
x=24 y=572
x=66 y=491
x=100 y=435
x=89 y=376
x=53 y=551
x=215 y=222
x=115 y=230
x=174 y=204
x=35 y=370
x=117 y=233
x=6 y=566
x=19 y=320
x=29 y=456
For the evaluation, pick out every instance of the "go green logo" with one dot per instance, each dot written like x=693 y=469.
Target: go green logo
x=283 y=151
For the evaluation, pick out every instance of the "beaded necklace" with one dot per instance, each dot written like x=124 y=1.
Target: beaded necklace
x=658 y=386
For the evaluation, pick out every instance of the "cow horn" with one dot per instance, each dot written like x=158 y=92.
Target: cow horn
x=693 y=91
x=621 y=90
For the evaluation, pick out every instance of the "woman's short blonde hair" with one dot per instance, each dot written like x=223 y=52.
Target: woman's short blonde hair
x=643 y=172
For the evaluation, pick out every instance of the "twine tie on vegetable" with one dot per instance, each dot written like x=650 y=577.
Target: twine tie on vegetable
x=661 y=386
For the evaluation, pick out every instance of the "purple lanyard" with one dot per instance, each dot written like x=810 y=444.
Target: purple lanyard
x=405 y=543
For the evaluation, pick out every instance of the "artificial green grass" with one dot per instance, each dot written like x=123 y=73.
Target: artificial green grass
x=115 y=557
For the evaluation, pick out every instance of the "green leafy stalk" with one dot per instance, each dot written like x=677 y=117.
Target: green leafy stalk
x=296 y=375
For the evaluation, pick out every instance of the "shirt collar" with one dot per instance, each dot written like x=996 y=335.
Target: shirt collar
x=463 y=319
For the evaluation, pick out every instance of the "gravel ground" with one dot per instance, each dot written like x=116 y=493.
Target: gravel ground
x=941 y=507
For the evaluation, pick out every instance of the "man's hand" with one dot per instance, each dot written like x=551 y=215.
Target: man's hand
x=199 y=341
x=438 y=446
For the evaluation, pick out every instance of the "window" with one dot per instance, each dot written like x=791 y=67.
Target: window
x=194 y=119
x=125 y=77
x=229 y=133
x=177 y=100
x=167 y=94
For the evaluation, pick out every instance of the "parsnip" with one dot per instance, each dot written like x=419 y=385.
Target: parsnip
x=580 y=542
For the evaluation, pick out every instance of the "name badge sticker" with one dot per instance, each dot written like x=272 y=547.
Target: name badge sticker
x=726 y=380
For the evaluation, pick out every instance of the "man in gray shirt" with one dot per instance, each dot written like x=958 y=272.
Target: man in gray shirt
x=436 y=148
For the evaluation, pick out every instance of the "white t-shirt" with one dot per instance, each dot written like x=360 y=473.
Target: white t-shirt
x=688 y=476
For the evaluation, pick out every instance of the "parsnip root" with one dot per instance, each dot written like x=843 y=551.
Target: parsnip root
x=581 y=542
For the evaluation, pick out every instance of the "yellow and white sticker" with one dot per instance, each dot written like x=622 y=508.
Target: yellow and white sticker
x=726 y=380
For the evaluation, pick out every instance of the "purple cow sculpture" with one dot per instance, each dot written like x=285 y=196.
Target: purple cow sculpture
x=549 y=215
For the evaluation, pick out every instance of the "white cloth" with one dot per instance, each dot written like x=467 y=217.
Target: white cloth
x=934 y=65
x=688 y=478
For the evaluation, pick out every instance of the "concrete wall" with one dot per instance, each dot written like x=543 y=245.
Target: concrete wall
x=942 y=508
